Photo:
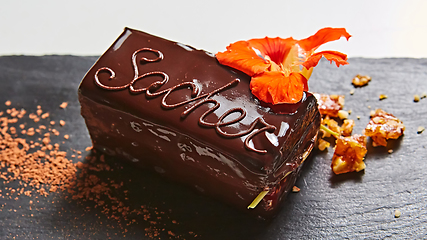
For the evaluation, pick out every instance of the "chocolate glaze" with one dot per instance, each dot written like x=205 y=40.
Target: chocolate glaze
x=176 y=109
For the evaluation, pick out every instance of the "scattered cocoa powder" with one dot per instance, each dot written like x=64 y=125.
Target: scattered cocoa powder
x=45 y=115
x=41 y=169
x=38 y=168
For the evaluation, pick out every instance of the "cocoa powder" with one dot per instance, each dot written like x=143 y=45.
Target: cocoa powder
x=31 y=158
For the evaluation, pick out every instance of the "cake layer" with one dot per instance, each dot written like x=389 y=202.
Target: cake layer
x=178 y=110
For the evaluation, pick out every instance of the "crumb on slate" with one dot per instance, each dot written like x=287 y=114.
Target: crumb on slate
x=397 y=213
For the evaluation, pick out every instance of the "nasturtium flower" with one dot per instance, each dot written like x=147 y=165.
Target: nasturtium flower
x=281 y=67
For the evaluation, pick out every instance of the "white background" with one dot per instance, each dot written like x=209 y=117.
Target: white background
x=378 y=28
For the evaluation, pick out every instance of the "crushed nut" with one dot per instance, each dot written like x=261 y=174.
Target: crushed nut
x=322 y=144
x=342 y=114
x=416 y=98
x=382 y=96
x=360 y=81
x=420 y=129
x=397 y=213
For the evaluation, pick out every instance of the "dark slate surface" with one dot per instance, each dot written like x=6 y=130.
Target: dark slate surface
x=355 y=205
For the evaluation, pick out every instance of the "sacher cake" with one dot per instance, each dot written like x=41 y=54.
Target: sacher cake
x=172 y=108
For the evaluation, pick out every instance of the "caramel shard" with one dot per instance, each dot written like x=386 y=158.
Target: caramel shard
x=383 y=126
x=349 y=154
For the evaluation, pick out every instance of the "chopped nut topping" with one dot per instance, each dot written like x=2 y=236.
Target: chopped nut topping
x=382 y=96
x=349 y=154
x=420 y=129
x=383 y=126
x=360 y=81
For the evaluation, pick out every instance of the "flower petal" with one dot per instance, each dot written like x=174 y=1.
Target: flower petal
x=322 y=36
x=241 y=56
x=275 y=48
x=337 y=57
x=275 y=87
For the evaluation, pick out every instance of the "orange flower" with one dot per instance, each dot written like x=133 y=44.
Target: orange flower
x=280 y=67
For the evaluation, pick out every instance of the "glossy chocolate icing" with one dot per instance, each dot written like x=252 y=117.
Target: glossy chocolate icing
x=176 y=109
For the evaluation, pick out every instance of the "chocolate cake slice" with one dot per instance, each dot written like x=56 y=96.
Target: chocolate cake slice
x=167 y=106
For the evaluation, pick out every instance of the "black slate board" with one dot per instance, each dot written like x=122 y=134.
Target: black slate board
x=355 y=205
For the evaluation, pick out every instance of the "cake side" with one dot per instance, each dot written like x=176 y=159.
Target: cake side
x=184 y=159
x=171 y=154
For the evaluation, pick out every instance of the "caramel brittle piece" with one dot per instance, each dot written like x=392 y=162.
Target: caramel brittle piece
x=332 y=125
x=349 y=154
x=347 y=127
x=330 y=104
x=383 y=126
